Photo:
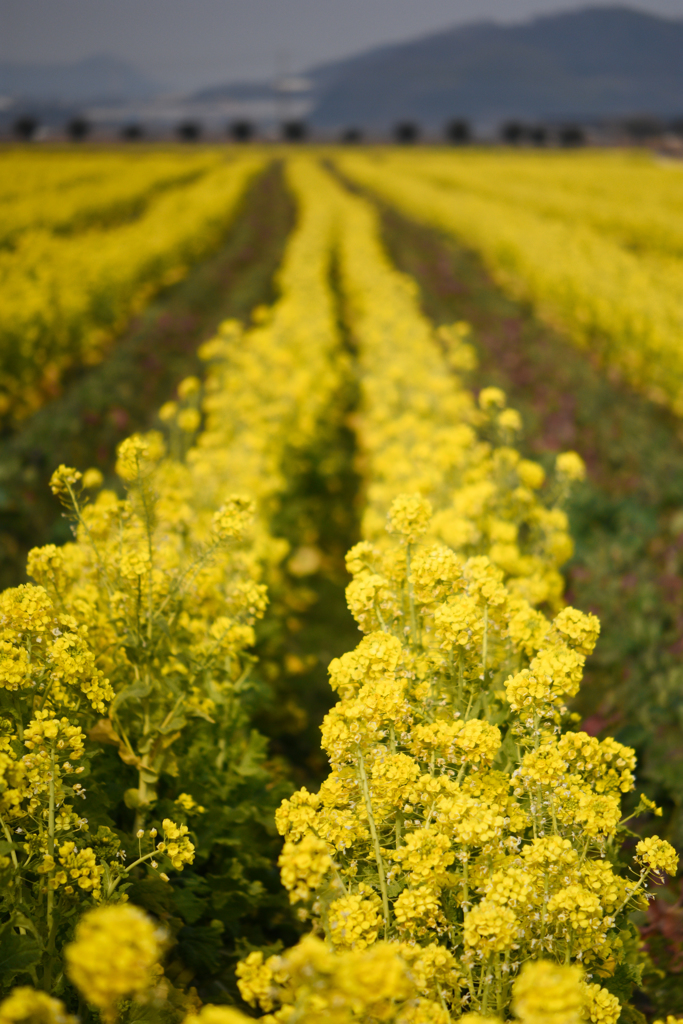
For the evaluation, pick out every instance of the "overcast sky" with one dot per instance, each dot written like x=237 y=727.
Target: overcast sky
x=185 y=44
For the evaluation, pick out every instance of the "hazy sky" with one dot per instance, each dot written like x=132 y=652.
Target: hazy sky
x=185 y=44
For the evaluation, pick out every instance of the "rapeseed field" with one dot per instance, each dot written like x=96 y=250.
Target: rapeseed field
x=293 y=714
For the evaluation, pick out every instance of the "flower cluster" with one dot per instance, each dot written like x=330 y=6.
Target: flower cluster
x=112 y=956
x=137 y=633
x=315 y=984
x=424 y=437
x=67 y=295
x=604 y=265
x=459 y=814
x=27 y=1006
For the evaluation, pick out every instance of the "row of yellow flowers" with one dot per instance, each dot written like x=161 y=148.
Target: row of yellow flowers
x=114 y=190
x=64 y=298
x=622 y=305
x=24 y=171
x=464 y=830
x=268 y=390
x=137 y=634
x=629 y=196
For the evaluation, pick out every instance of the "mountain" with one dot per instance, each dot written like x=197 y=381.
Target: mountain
x=591 y=63
x=101 y=77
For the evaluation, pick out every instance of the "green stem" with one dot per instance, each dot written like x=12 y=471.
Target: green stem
x=485 y=641
x=460 y=680
x=142 y=797
x=375 y=842
x=641 y=879
x=487 y=987
x=126 y=871
x=544 y=919
x=150 y=555
x=50 y=890
x=81 y=522
x=482 y=981
x=385 y=628
x=8 y=837
x=472 y=986
x=411 y=600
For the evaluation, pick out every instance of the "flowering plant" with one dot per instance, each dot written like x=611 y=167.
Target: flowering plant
x=460 y=819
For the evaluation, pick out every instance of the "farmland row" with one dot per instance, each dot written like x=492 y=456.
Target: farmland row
x=118 y=192
x=166 y=581
x=25 y=172
x=65 y=298
x=454 y=778
x=124 y=392
x=624 y=517
x=629 y=198
x=621 y=306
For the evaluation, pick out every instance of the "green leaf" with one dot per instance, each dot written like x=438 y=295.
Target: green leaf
x=189 y=906
x=621 y=983
x=200 y=947
x=18 y=955
x=179 y=721
x=133 y=692
x=153 y=894
x=629 y=1015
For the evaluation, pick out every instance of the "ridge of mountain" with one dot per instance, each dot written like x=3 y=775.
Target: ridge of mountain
x=595 y=62
x=591 y=63
x=100 y=77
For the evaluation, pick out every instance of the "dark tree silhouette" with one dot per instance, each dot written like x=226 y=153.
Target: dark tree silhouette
x=513 y=133
x=132 y=132
x=189 y=131
x=241 y=131
x=406 y=132
x=538 y=135
x=641 y=128
x=25 y=127
x=78 y=128
x=351 y=135
x=458 y=131
x=294 y=131
x=572 y=135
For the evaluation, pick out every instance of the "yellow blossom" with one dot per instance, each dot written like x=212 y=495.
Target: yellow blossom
x=27 y=1006
x=112 y=955
x=658 y=855
x=548 y=993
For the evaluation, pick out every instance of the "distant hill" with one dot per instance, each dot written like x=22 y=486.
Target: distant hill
x=98 y=78
x=595 y=62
